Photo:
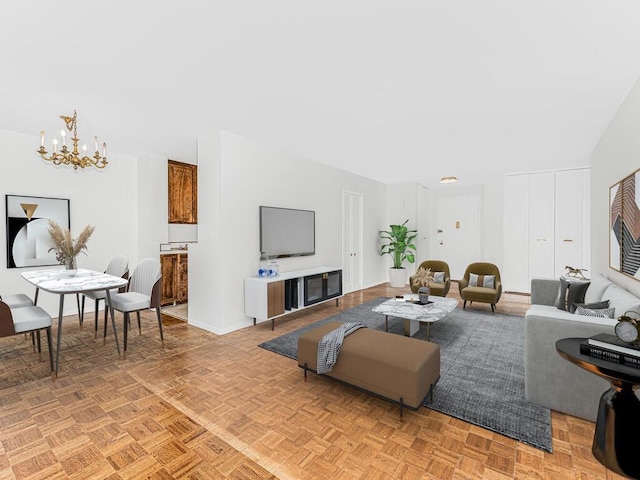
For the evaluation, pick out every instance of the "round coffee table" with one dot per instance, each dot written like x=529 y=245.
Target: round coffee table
x=618 y=421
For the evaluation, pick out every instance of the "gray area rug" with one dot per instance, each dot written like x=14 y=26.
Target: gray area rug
x=481 y=372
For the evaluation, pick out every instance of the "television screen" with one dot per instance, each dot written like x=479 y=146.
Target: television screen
x=287 y=232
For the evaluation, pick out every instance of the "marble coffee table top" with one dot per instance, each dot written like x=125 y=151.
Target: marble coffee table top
x=405 y=308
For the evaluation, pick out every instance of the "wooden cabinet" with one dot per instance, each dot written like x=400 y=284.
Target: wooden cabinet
x=175 y=278
x=183 y=192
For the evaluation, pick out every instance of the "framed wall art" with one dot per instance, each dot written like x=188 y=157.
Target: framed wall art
x=28 y=240
x=624 y=226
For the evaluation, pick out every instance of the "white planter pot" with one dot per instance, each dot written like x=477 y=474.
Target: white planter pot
x=397 y=277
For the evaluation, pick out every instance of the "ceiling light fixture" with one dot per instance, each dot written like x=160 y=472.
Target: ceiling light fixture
x=67 y=157
x=448 y=179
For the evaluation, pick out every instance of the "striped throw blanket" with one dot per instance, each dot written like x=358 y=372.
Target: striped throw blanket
x=329 y=346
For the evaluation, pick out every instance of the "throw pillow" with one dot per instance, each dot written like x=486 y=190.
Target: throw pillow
x=594 y=305
x=570 y=293
x=486 y=281
x=598 y=312
x=438 y=277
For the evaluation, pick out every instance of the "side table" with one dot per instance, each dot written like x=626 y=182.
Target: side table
x=618 y=420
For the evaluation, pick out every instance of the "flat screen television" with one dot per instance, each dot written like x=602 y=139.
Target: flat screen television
x=287 y=232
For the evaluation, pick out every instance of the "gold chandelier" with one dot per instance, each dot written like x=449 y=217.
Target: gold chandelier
x=67 y=157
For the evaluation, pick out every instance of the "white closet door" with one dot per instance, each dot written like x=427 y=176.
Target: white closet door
x=541 y=225
x=572 y=219
x=351 y=242
x=515 y=268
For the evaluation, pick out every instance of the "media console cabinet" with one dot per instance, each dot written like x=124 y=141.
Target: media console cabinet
x=267 y=298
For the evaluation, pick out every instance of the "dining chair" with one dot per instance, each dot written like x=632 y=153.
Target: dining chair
x=17 y=300
x=24 y=320
x=118 y=267
x=143 y=293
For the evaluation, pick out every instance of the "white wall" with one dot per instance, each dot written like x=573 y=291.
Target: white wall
x=104 y=198
x=616 y=155
x=237 y=175
x=152 y=206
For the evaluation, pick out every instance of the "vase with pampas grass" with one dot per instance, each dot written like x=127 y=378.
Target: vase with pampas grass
x=67 y=248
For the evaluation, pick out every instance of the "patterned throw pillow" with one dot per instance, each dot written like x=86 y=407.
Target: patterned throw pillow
x=487 y=281
x=601 y=313
x=438 y=277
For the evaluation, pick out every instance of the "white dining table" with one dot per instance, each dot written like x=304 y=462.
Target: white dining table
x=60 y=282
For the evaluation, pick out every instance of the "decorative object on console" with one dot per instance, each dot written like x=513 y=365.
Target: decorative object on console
x=67 y=248
x=628 y=329
x=624 y=226
x=66 y=157
x=423 y=279
x=263 y=268
x=28 y=241
x=399 y=246
x=575 y=272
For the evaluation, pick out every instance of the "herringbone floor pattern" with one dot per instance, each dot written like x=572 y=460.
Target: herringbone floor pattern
x=209 y=407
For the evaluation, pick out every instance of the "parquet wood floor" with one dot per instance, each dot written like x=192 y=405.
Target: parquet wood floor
x=210 y=407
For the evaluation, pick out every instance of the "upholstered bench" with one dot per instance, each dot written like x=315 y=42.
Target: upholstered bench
x=400 y=369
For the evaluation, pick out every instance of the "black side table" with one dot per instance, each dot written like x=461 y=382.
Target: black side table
x=618 y=421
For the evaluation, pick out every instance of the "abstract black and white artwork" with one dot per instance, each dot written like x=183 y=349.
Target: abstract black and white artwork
x=28 y=240
x=624 y=226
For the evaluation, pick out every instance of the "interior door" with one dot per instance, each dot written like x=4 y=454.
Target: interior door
x=351 y=242
x=422 y=241
x=458 y=231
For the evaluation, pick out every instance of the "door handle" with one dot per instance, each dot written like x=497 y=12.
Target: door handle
x=441 y=242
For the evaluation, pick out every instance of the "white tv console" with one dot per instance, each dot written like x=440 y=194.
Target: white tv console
x=267 y=298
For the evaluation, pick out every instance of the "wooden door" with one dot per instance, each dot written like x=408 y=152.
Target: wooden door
x=182 y=279
x=169 y=264
x=183 y=192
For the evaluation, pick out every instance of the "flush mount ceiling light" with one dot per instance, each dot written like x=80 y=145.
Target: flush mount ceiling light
x=72 y=157
x=448 y=179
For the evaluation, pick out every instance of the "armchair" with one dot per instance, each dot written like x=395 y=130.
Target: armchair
x=438 y=289
x=480 y=293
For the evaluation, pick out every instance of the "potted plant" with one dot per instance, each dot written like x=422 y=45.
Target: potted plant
x=423 y=279
x=399 y=245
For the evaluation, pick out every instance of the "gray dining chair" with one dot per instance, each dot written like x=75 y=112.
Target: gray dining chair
x=143 y=293
x=24 y=320
x=118 y=267
x=17 y=300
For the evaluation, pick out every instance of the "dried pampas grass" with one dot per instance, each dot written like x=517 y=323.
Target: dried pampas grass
x=67 y=248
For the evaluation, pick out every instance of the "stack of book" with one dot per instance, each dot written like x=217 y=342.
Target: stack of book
x=612 y=349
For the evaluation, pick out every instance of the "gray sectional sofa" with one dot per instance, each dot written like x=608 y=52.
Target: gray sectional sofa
x=550 y=380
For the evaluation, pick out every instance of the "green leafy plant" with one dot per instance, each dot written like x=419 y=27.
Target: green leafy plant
x=399 y=244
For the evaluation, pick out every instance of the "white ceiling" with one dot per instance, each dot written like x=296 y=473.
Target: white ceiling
x=394 y=90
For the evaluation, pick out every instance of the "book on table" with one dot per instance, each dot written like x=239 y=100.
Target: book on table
x=599 y=347
x=611 y=342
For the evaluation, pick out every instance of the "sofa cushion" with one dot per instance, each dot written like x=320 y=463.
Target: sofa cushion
x=621 y=300
x=551 y=312
x=596 y=312
x=438 y=277
x=596 y=289
x=486 y=281
x=571 y=293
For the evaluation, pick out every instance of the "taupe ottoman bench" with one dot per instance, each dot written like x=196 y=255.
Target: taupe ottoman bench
x=400 y=369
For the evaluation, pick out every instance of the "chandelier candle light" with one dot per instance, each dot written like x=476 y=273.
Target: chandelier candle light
x=67 y=157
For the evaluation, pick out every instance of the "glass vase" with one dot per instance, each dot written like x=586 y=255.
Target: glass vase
x=71 y=266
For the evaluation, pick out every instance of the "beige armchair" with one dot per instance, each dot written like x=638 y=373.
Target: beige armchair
x=481 y=293
x=437 y=289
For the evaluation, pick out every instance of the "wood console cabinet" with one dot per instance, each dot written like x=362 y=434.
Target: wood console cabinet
x=183 y=192
x=175 y=278
x=289 y=292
